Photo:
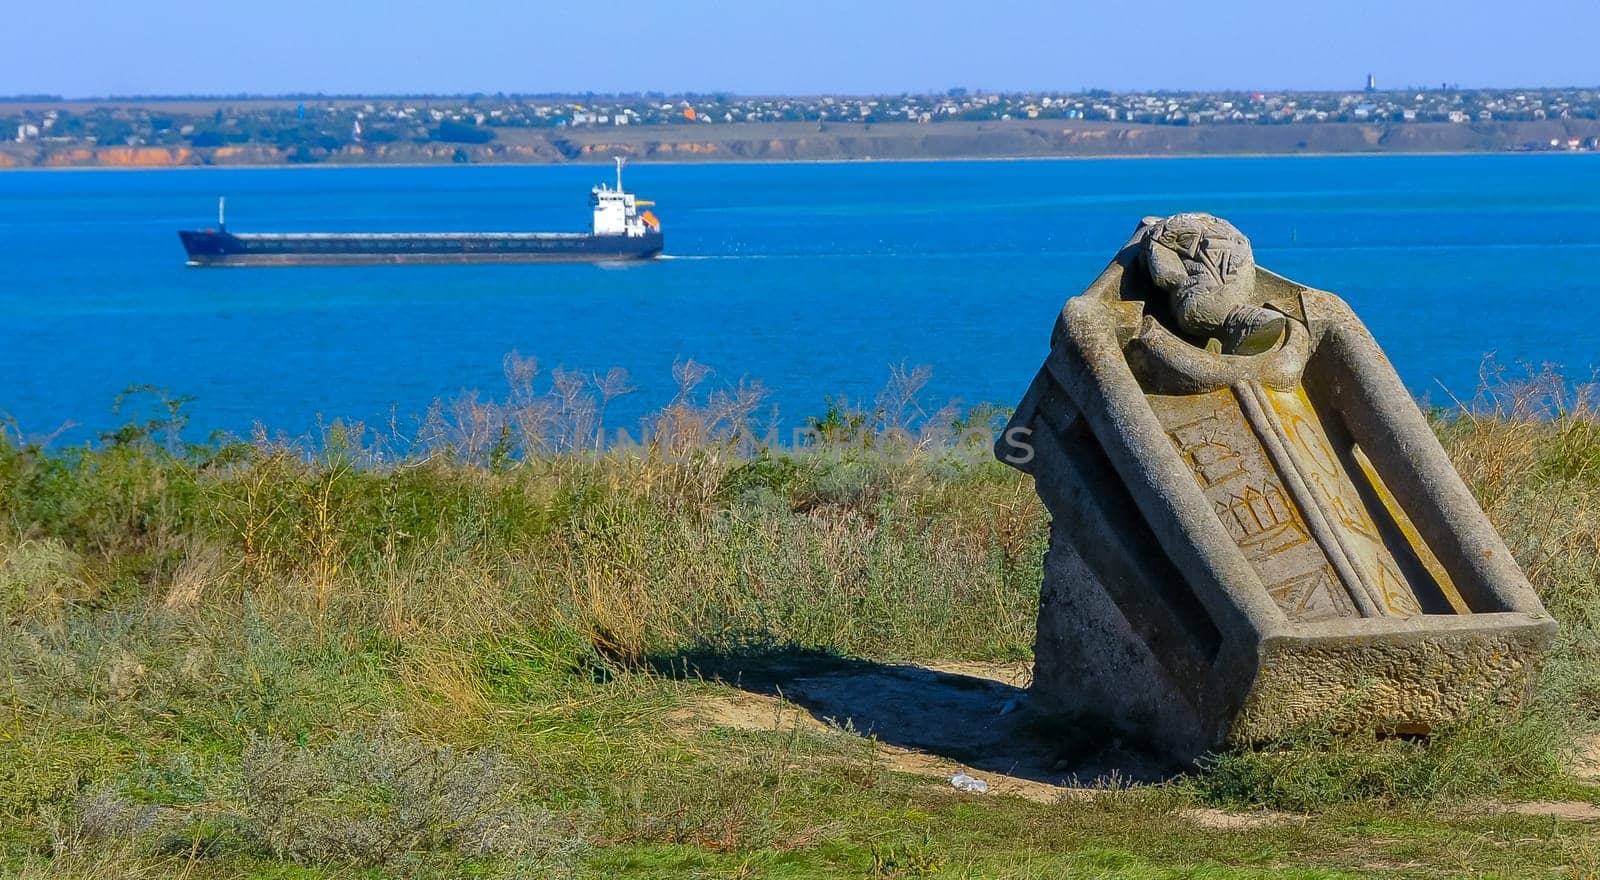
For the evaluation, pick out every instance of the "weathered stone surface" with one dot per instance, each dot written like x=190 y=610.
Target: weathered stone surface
x=1245 y=543
x=1208 y=270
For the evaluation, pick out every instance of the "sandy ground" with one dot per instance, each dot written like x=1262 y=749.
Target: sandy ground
x=1577 y=811
x=934 y=719
x=938 y=719
x=1588 y=769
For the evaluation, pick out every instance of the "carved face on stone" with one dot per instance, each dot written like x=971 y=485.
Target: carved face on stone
x=1211 y=244
x=1207 y=268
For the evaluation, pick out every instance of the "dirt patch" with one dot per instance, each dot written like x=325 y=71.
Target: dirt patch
x=746 y=711
x=1222 y=820
x=1017 y=674
x=1577 y=811
x=1588 y=766
x=934 y=719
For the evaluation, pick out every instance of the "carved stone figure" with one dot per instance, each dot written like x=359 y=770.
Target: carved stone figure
x=1250 y=540
x=1206 y=266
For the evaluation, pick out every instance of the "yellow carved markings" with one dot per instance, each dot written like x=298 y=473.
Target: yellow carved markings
x=1262 y=520
x=1397 y=595
x=1425 y=554
x=1204 y=445
x=1313 y=595
x=1332 y=488
x=1281 y=490
x=1212 y=437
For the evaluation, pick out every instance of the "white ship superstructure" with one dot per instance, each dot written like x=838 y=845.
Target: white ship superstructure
x=616 y=211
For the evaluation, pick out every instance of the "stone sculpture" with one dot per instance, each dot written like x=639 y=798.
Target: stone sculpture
x=1207 y=268
x=1255 y=538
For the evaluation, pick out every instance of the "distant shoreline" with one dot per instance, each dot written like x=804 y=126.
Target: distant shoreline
x=1009 y=140
x=684 y=163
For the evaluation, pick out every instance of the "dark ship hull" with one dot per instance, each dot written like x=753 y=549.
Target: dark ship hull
x=215 y=248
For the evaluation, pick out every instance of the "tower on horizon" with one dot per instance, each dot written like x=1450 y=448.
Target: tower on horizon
x=1372 y=83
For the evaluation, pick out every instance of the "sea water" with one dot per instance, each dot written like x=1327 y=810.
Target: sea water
x=813 y=279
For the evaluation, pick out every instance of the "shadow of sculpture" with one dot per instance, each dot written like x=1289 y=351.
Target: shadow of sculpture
x=958 y=713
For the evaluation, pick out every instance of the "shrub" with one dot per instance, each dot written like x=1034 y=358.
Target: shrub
x=37 y=578
x=377 y=799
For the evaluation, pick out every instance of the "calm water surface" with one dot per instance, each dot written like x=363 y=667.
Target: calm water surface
x=813 y=279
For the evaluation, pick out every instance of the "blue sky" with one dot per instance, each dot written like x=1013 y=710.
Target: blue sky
x=81 y=48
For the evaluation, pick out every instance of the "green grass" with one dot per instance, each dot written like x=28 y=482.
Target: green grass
x=227 y=660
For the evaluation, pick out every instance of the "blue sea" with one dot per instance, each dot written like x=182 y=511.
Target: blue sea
x=814 y=279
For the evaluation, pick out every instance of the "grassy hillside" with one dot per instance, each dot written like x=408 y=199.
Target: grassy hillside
x=483 y=651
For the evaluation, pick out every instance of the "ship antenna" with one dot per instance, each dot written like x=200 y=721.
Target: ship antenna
x=620 y=160
x=222 y=221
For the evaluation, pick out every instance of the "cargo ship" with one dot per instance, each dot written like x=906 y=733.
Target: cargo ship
x=618 y=230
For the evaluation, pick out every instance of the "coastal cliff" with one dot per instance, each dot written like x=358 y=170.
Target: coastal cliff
x=807 y=141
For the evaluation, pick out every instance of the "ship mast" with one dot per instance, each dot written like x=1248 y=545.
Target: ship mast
x=222 y=222
x=620 y=160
